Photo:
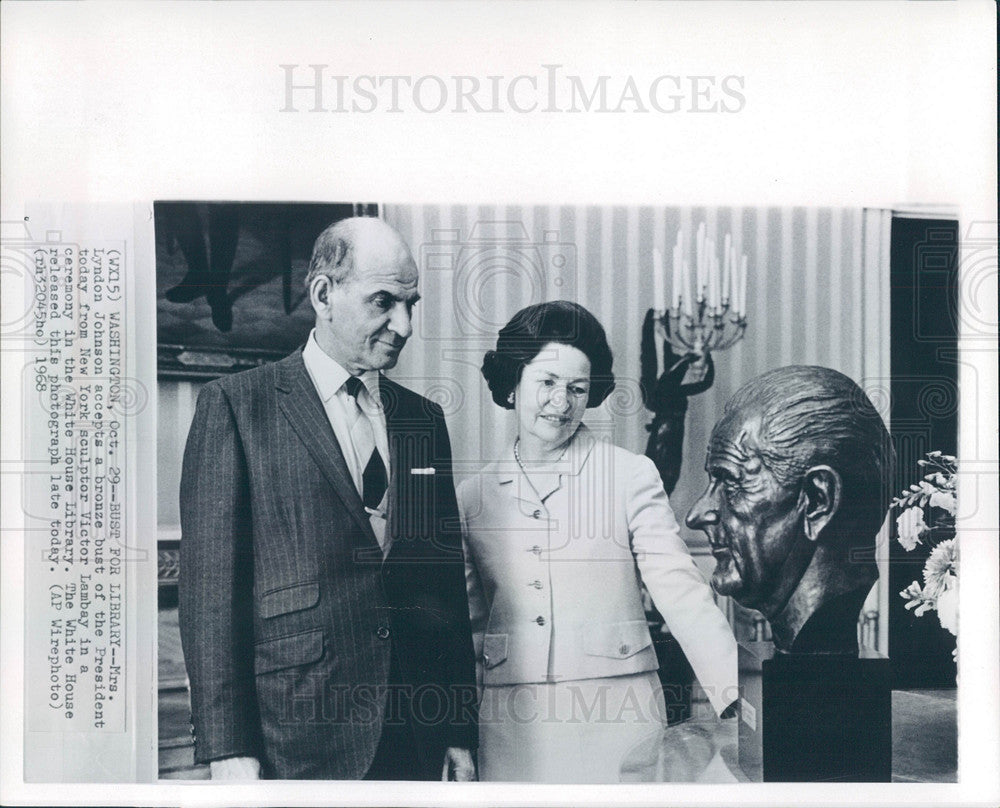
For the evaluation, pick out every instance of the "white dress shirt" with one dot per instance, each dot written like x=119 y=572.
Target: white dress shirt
x=328 y=377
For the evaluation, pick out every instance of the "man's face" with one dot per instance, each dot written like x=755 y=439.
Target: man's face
x=367 y=319
x=752 y=521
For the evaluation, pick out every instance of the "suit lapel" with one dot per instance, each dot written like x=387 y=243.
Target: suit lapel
x=390 y=396
x=301 y=405
x=411 y=445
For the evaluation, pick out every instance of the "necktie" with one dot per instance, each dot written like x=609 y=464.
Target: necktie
x=374 y=480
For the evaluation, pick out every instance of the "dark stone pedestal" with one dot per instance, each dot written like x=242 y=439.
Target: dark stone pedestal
x=814 y=717
x=676 y=677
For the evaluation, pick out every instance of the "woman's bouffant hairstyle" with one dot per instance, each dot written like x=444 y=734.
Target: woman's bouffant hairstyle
x=534 y=327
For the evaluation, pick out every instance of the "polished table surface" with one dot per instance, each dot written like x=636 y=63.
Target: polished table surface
x=702 y=749
x=924 y=743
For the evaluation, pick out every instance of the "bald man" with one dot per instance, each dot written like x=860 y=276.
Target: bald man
x=322 y=593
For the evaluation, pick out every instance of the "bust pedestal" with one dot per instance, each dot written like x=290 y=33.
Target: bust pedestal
x=676 y=677
x=814 y=717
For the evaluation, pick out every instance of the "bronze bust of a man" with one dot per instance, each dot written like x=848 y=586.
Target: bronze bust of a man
x=799 y=473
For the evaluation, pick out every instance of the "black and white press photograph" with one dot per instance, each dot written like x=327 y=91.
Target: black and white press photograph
x=556 y=494
x=499 y=403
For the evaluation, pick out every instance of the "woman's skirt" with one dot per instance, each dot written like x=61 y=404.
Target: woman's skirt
x=605 y=730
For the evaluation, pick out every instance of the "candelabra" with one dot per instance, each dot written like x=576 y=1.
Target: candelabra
x=704 y=330
x=708 y=305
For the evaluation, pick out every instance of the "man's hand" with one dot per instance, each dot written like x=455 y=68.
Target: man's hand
x=458 y=765
x=236 y=768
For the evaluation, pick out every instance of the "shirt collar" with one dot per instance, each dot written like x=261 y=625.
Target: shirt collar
x=329 y=375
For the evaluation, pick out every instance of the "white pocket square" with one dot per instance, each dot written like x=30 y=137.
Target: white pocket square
x=430 y=470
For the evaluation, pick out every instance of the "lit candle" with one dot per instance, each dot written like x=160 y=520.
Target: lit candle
x=659 y=279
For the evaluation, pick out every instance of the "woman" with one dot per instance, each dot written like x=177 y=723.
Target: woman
x=557 y=533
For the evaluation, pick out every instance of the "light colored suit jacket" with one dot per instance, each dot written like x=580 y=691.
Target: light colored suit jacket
x=553 y=576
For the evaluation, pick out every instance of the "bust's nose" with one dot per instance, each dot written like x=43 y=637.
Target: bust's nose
x=702 y=513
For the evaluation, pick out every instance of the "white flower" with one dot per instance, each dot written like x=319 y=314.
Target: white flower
x=917 y=599
x=944 y=500
x=940 y=575
x=941 y=569
x=947 y=609
x=910 y=526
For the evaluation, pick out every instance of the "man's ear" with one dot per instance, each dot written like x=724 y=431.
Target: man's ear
x=822 y=489
x=319 y=292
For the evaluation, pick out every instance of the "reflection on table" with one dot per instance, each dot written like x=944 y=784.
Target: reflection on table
x=924 y=743
x=701 y=749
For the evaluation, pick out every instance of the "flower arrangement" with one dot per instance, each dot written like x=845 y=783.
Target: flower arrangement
x=927 y=517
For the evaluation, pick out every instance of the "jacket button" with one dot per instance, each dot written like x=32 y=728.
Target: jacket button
x=486 y=659
x=536 y=515
x=536 y=584
x=540 y=620
x=383 y=632
x=623 y=649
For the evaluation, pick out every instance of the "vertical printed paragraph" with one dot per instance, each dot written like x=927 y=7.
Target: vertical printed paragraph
x=75 y=508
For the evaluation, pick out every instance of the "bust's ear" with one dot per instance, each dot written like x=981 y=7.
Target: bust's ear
x=822 y=489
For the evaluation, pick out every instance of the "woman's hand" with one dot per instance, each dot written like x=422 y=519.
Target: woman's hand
x=458 y=765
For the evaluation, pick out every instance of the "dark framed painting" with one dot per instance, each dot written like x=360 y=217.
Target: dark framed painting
x=229 y=281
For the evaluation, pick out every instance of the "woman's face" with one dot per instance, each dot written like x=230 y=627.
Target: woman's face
x=551 y=397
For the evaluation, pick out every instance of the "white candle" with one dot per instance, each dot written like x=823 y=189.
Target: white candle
x=709 y=291
x=699 y=269
x=737 y=285
x=687 y=290
x=718 y=283
x=659 y=279
x=727 y=268
x=743 y=287
x=682 y=260
x=738 y=268
x=679 y=276
x=713 y=275
x=675 y=281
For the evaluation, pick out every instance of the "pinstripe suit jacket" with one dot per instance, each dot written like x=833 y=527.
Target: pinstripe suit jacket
x=288 y=612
